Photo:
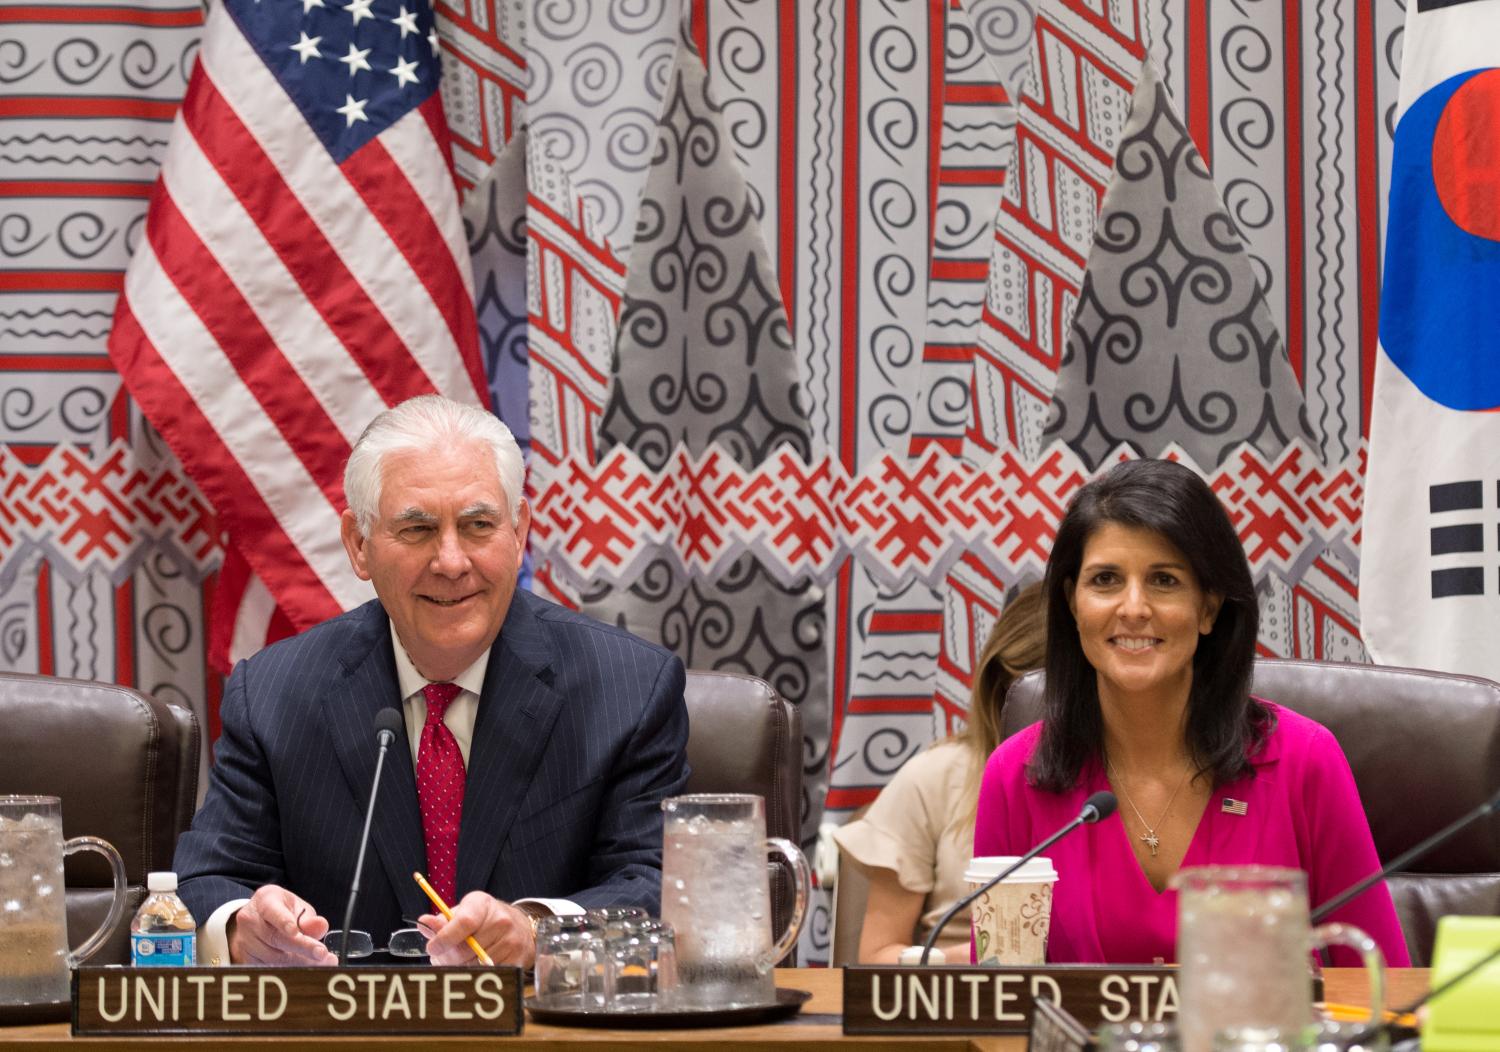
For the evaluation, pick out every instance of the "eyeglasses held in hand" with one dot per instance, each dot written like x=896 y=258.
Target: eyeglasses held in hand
x=405 y=942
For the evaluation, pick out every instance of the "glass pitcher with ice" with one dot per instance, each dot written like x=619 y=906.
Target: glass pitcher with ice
x=1243 y=946
x=34 y=956
x=716 y=893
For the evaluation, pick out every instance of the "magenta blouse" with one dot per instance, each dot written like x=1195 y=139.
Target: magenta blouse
x=1301 y=810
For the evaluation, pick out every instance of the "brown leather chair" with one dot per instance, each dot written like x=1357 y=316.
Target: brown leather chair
x=1425 y=750
x=126 y=769
x=743 y=737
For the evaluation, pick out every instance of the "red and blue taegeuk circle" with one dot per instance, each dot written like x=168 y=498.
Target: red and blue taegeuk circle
x=1440 y=305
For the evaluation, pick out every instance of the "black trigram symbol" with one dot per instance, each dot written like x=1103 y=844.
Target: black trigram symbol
x=1459 y=538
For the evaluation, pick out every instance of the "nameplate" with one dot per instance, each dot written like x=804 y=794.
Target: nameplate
x=962 y=999
x=203 y=1001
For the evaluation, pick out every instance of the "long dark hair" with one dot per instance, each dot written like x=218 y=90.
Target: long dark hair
x=1224 y=723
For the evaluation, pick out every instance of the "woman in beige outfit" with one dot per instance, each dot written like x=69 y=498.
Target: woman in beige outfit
x=915 y=840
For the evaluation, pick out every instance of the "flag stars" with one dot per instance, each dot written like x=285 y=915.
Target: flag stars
x=406 y=21
x=308 y=5
x=432 y=39
x=360 y=10
x=353 y=109
x=405 y=72
x=307 y=47
x=356 y=60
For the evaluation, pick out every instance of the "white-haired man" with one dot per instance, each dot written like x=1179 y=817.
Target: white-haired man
x=539 y=743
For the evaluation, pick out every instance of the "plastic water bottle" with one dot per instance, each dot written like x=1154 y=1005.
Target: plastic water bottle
x=163 y=933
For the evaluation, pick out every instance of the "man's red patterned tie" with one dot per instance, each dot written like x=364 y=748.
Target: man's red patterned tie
x=440 y=790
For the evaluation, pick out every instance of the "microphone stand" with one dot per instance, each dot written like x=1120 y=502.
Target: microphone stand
x=385 y=736
x=1092 y=812
x=1406 y=858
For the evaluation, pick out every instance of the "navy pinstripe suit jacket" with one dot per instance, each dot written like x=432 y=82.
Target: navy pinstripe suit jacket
x=581 y=732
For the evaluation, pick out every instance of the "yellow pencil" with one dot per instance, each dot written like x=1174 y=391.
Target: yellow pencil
x=442 y=906
x=1343 y=1013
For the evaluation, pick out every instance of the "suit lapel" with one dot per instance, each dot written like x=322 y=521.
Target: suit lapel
x=368 y=685
x=517 y=709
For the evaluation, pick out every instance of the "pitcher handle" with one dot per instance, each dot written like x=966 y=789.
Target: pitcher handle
x=1353 y=938
x=116 y=908
x=802 y=879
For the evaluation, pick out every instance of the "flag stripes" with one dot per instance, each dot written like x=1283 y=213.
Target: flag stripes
x=329 y=322
x=376 y=261
x=185 y=426
x=282 y=297
x=235 y=327
x=244 y=438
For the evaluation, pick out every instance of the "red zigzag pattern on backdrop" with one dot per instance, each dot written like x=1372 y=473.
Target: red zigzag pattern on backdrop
x=902 y=519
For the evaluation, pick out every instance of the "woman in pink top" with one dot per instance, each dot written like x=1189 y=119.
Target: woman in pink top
x=1152 y=621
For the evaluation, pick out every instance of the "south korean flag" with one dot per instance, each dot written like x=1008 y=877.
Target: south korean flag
x=1430 y=559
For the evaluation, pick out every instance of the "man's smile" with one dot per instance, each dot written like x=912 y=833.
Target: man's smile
x=444 y=602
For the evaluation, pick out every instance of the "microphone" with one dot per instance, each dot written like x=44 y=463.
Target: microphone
x=1095 y=809
x=388 y=723
x=1400 y=862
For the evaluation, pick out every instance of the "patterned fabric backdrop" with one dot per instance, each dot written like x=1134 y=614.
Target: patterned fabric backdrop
x=812 y=317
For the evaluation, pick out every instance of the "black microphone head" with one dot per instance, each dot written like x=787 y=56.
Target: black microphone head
x=1099 y=806
x=389 y=721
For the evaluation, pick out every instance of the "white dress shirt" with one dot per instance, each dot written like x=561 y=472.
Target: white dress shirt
x=461 y=712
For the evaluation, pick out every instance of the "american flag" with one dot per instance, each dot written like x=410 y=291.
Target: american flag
x=1232 y=806
x=303 y=266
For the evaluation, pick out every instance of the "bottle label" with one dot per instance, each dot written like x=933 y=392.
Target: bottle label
x=164 y=951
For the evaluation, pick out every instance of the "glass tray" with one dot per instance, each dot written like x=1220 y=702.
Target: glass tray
x=787 y=1004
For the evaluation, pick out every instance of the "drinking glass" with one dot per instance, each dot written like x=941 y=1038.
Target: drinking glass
x=613 y=918
x=1330 y=1036
x=643 y=964
x=1259 y=1039
x=34 y=956
x=1319 y=1037
x=570 y=963
x=717 y=896
x=1138 y=1037
x=1244 y=945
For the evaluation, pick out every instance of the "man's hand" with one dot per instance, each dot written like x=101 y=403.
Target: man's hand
x=504 y=932
x=266 y=930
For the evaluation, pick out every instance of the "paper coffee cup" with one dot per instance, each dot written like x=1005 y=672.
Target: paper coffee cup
x=1010 y=921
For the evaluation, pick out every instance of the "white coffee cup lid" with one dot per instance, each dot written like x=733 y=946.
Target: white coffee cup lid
x=986 y=868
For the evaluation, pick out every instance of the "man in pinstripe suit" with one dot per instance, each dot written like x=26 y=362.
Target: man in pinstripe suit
x=539 y=744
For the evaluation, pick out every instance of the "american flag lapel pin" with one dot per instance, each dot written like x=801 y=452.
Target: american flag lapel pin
x=1235 y=807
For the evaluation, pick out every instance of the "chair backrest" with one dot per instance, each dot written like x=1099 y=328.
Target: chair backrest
x=125 y=766
x=1425 y=750
x=851 y=895
x=743 y=737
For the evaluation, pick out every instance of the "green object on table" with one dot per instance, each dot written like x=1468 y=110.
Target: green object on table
x=1467 y=1017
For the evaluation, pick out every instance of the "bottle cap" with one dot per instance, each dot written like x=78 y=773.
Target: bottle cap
x=161 y=881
